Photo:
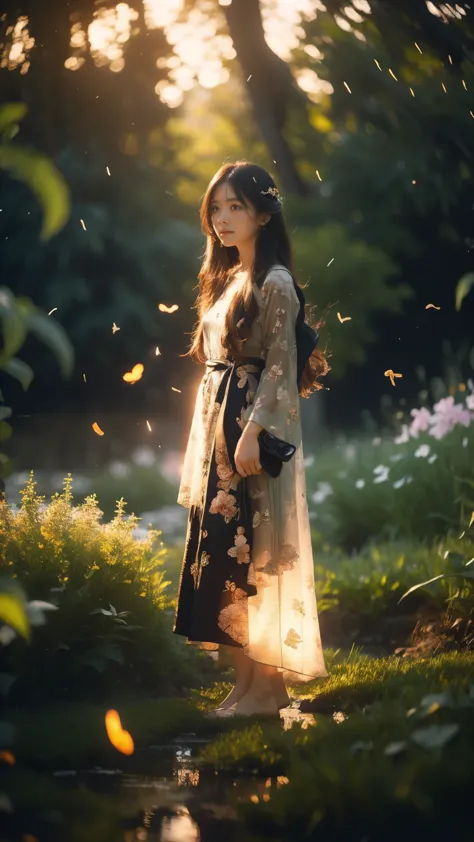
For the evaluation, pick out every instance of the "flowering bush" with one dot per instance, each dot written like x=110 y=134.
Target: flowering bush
x=446 y=415
x=417 y=485
x=112 y=626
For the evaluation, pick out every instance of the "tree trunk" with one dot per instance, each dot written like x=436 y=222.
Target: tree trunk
x=270 y=86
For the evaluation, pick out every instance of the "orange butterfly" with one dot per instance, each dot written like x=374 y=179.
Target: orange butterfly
x=390 y=373
x=120 y=739
x=97 y=429
x=165 y=309
x=135 y=374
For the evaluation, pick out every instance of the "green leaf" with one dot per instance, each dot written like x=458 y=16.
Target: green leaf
x=13 y=318
x=55 y=337
x=13 y=613
x=11 y=113
x=463 y=288
x=5 y=431
x=19 y=370
x=44 y=180
x=435 y=736
x=458 y=574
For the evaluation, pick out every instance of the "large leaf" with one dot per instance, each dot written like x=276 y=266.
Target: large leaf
x=13 y=613
x=11 y=113
x=435 y=736
x=44 y=180
x=463 y=287
x=458 y=574
x=19 y=370
x=14 y=327
x=54 y=336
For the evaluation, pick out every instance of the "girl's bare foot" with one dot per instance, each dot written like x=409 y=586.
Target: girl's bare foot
x=253 y=703
x=244 y=674
x=279 y=690
x=235 y=694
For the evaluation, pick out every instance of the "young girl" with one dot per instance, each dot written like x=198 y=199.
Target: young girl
x=247 y=579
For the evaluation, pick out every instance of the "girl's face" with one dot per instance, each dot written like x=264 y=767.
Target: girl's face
x=234 y=223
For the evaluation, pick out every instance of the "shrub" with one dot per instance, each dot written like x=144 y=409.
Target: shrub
x=112 y=629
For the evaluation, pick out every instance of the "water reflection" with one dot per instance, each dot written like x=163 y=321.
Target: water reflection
x=178 y=826
x=173 y=799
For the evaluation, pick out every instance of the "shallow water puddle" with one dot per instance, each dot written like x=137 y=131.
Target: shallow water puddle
x=173 y=799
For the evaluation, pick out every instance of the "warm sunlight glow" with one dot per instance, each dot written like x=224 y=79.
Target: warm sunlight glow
x=14 y=53
x=201 y=48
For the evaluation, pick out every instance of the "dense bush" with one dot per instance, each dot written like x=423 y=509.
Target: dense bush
x=111 y=631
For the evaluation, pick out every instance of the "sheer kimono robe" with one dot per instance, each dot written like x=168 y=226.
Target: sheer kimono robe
x=277 y=625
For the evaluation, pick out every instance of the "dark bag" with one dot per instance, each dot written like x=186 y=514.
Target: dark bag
x=273 y=452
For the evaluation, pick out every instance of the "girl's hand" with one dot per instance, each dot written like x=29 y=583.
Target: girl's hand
x=247 y=453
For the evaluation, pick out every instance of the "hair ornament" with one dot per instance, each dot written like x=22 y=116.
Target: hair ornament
x=272 y=191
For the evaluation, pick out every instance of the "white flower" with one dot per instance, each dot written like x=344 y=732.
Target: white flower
x=399 y=482
x=380 y=469
x=396 y=457
x=35 y=611
x=377 y=440
x=350 y=452
x=144 y=457
x=360 y=483
x=324 y=490
x=382 y=475
x=465 y=441
x=119 y=470
x=470 y=401
x=6 y=635
x=433 y=458
x=404 y=435
x=308 y=461
x=423 y=450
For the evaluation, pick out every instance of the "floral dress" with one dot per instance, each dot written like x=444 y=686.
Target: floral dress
x=247 y=577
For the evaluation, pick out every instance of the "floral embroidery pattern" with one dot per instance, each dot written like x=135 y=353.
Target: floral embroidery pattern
x=293 y=639
x=233 y=619
x=228 y=478
x=196 y=568
x=241 y=549
x=286 y=560
x=260 y=517
x=298 y=606
x=224 y=504
x=275 y=371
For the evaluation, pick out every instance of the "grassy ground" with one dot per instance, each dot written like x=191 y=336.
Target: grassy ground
x=389 y=750
x=75 y=734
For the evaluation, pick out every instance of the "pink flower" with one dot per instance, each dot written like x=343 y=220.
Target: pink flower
x=446 y=415
x=421 y=421
x=470 y=401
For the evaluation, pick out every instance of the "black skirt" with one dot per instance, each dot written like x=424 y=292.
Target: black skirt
x=217 y=575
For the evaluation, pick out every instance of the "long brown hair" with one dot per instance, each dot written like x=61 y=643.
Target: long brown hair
x=251 y=183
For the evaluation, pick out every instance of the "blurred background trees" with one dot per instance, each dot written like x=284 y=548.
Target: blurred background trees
x=362 y=111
